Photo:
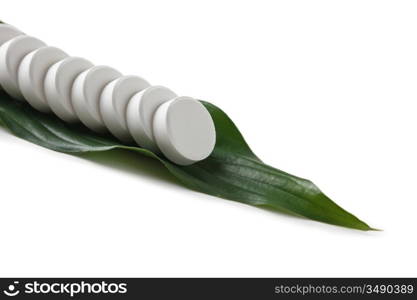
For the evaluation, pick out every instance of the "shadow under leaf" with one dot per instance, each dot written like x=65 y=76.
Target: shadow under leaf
x=132 y=163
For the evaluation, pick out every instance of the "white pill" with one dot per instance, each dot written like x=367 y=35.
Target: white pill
x=11 y=55
x=58 y=85
x=140 y=113
x=32 y=72
x=184 y=130
x=113 y=104
x=86 y=92
x=7 y=32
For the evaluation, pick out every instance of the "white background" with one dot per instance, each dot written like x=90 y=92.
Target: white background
x=325 y=90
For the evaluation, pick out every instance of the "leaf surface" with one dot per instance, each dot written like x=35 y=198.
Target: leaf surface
x=232 y=171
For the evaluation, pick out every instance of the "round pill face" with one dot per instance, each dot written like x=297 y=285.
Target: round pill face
x=32 y=72
x=86 y=92
x=11 y=55
x=7 y=32
x=113 y=104
x=58 y=85
x=184 y=130
x=140 y=113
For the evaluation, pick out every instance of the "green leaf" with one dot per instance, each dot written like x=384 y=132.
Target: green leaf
x=232 y=171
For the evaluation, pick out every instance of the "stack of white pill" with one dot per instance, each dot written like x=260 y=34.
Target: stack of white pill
x=103 y=99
